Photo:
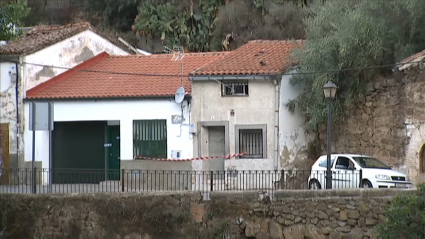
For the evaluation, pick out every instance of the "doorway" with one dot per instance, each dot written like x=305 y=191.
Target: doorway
x=216 y=146
x=113 y=163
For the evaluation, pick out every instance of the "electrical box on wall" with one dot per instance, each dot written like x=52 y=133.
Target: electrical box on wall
x=176 y=154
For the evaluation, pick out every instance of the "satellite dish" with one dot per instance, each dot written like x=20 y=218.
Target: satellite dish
x=179 y=95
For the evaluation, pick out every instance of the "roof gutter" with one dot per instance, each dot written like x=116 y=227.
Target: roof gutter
x=231 y=77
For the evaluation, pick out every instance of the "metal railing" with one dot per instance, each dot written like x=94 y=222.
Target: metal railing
x=37 y=180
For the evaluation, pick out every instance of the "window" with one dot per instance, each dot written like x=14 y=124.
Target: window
x=344 y=163
x=368 y=162
x=251 y=139
x=234 y=88
x=150 y=138
x=324 y=163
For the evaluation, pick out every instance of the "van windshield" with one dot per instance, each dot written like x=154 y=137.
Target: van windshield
x=368 y=162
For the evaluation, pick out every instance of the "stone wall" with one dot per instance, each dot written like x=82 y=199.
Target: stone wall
x=283 y=215
x=387 y=122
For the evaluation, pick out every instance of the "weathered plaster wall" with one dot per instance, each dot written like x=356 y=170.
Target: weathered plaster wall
x=67 y=53
x=288 y=214
x=36 y=68
x=388 y=124
x=293 y=138
x=8 y=106
x=257 y=108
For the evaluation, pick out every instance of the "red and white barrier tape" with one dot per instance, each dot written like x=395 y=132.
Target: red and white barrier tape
x=229 y=156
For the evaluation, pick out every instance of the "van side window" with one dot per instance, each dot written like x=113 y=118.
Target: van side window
x=324 y=163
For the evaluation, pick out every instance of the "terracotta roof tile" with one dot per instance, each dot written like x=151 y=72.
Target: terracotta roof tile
x=43 y=36
x=105 y=76
x=258 y=57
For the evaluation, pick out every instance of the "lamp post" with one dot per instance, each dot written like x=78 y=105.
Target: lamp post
x=329 y=89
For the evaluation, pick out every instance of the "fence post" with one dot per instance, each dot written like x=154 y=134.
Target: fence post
x=361 y=178
x=34 y=177
x=122 y=180
x=211 y=180
x=282 y=179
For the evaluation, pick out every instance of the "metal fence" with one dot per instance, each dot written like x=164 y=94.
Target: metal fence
x=92 y=181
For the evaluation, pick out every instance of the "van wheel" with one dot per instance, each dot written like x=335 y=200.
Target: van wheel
x=366 y=184
x=314 y=185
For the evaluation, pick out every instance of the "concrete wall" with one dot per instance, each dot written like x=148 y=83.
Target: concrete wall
x=67 y=53
x=257 y=108
x=124 y=111
x=289 y=214
x=388 y=123
x=293 y=138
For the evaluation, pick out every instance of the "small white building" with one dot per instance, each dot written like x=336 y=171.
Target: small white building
x=38 y=55
x=110 y=109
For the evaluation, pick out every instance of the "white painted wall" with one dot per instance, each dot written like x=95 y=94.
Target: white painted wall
x=66 y=54
x=292 y=134
x=124 y=112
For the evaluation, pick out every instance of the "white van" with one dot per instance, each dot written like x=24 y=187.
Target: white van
x=354 y=171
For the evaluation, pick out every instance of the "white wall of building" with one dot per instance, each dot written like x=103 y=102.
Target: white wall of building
x=293 y=140
x=257 y=108
x=124 y=111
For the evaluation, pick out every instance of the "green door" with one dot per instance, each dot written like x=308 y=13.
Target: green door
x=114 y=153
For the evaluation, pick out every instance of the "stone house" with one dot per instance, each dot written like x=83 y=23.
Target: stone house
x=38 y=55
x=110 y=109
x=389 y=122
x=239 y=106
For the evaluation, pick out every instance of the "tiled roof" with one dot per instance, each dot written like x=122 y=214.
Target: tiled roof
x=95 y=78
x=258 y=57
x=43 y=36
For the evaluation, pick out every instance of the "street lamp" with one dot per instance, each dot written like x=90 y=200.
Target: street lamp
x=329 y=89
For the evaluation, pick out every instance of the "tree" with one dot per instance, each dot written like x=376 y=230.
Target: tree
x=405 y=218
x=11 y=14
x=353 y=34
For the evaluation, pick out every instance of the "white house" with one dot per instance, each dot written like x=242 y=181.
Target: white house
x=239 y=106
x=34 y=58
x=110 y=109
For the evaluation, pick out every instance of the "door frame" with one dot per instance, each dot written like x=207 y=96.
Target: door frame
x=202 y=124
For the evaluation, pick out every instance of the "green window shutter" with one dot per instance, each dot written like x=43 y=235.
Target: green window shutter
x=150 y=138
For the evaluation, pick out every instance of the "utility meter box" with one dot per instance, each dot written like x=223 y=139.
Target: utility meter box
x=176 y=154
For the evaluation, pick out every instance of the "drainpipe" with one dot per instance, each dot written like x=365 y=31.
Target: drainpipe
x=276 y=127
